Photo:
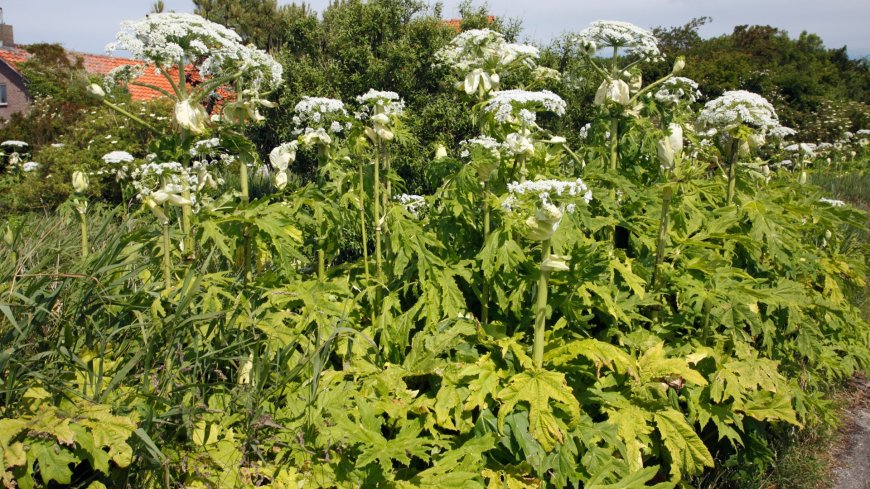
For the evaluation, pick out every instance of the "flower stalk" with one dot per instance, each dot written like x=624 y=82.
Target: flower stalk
x=732 y=170
x=541 y=306
x=484 y=296
x=667 y=197
x=376 y=198
x=362 y=221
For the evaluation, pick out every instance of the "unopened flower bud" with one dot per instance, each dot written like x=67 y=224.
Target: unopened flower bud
x=612 y=90
x=679 y=65
x=440 y=152
x=281 y=180
x=281 y=156
x=96 y=90
x=191 y=117
x=80 y=182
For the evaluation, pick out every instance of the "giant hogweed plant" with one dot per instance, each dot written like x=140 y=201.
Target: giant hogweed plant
x=279 y=355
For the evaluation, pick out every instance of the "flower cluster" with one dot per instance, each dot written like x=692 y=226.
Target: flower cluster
x=737 y=108
x=482 y=56
x=546 y=189
x=413 y=203
x=678 y=89
x=30 y=166
x=485 y=143
x=381 y=102
x=14 y=144
x=117 y=157
x=381 y=109
x=620 y=35
x=120 y=76
x=833 y=202
x=520 y=106
x=542 y=203
x=319 y=114
x=172 y=39
x=204 y=146
x=781 y=132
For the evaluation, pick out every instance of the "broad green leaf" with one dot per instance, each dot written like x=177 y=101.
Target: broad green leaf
x=538 y=388
x=688 y=453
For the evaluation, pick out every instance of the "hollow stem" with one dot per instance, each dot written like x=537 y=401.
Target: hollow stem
x=321 y=263
x=167 y=250
x=667 y=196
x=187 y=238
x=484 y=299
x=732 y=170
x=243 y=179
x=376 y=197
x=362 y=221
x=541 y=307
x=85 y=245
x=614 y=161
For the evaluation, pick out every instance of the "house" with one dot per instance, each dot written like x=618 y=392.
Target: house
x=14 y=97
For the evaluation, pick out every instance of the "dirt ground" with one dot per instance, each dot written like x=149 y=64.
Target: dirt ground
x=851 y=457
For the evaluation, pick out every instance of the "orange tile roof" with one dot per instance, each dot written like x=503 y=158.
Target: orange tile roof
x=12 y=56
x=99 y=64
x=456 y=24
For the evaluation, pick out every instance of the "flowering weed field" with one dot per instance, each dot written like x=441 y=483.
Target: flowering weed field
x=639 y=310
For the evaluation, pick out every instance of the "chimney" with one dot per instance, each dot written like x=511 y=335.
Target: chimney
x=6 y=37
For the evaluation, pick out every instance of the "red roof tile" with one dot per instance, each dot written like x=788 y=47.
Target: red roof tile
x=456 y=24
x=97 y=64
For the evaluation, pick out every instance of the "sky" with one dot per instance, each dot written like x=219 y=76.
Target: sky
x=88 y=25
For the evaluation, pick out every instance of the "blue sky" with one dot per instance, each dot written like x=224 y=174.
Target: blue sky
x=87 y=25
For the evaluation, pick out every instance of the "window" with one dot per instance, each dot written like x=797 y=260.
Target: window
x=3 y=94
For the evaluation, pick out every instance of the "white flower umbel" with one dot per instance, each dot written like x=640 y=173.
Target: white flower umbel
x=740 y=119
x=382 y=102
x=485 y=143
x=540 y=204
x=808 y=149
x=116 y=157
x=833 y=202
x=170 y=40
x=205 y=146
x=619 y=35
x=520 y=106
x=412 y=203
x=737 y=108
x=121 y=75
x=481 y=57
x=14 y=144
x=781 y=132
x=678 y=89
x=30 y=166
x=314 y=113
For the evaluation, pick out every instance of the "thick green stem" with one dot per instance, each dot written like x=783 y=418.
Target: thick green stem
x=362 y=221
x=376 y=197
x=85 y=246
x=167 y=250
x=663 y=232
x=484 y=296
x=321 y=264
x=187 y=238
x=614 y=161
x=732 y=170
x=541 y=307
x=243 y=179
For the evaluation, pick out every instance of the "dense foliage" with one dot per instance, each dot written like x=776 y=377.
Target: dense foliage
x=633 y=303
